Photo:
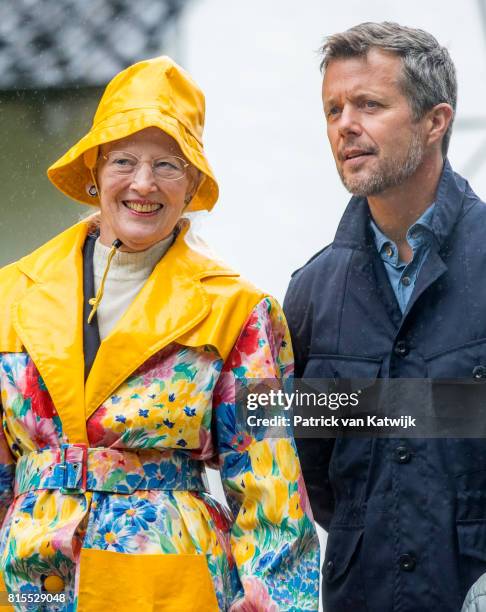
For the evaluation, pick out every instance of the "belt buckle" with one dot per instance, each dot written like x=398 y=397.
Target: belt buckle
x=74 y=473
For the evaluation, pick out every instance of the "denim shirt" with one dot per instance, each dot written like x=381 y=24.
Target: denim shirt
x=403 y=275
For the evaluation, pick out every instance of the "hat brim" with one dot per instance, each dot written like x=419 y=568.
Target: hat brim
x=71 y=175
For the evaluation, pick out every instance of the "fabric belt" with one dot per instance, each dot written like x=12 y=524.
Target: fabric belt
x=76 y=468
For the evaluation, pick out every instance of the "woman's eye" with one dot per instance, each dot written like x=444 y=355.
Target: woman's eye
x=164 y=164
x=123 y=162
x=334 y=110
x=371 y=104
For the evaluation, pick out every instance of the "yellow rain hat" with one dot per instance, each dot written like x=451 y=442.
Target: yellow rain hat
x=152 y=93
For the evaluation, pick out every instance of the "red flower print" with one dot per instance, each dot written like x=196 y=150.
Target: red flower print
x=219 y=516
x=247 y=343
x=241 y=441
x=35 y=390
x=96 y=431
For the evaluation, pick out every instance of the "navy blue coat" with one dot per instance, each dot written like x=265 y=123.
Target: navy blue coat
x=406 y=518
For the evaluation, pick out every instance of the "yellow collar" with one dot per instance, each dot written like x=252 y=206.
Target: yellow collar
x=170 y=306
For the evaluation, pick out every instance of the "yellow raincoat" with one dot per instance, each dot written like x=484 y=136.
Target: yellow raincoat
x=101 y=480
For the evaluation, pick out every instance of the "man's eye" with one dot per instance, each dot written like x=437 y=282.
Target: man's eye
x=371 y=104
x=334 y=110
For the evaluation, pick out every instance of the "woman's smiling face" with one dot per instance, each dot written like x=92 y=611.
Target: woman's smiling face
x=138 y=205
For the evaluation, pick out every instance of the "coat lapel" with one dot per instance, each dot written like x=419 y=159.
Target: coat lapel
x=48 y=320
x=171 y=303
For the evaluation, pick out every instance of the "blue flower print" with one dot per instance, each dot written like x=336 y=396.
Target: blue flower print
x=136 y=513
x=108 y=538
x=164 y=474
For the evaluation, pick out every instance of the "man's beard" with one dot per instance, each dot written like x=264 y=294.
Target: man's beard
x=390 y=173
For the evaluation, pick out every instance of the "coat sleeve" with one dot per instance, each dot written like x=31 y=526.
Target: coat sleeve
x=7 y=462
x=273 y=538
x=315 y=454
x=7 y=475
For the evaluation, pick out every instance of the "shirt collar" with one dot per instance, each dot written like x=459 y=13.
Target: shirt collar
x=424 y=222
x=419 y=233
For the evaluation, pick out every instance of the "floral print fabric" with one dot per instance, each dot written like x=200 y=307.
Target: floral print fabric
x=182 y=402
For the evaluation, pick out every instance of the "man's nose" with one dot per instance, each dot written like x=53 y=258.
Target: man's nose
x=349 y=121
x=143 y=179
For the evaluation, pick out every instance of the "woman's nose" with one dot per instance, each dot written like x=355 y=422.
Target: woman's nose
x=143 y=179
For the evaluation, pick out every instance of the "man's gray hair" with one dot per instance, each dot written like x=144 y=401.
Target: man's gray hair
x=429 y=75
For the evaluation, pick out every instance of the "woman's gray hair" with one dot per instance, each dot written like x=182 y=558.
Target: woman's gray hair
x=429 y=75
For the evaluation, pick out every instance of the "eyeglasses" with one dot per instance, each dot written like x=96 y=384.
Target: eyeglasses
x=167 y=167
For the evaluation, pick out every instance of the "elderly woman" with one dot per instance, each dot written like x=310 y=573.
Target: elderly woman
x=121 y=342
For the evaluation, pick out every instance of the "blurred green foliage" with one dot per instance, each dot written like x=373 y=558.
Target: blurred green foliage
x=37 y=127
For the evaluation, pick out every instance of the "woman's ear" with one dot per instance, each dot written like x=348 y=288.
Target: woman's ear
x=91 y=190
x=194 y=178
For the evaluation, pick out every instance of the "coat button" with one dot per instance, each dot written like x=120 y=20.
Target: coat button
x=329 y=570
x=402 y=454
x=479 y=372
x=401 y=348
x=406 y=281
x=407 y=562
x=53 y=584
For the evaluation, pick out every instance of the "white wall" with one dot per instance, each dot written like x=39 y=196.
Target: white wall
x=256 y=60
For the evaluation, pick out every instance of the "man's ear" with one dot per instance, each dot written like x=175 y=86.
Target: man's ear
x=438 y=120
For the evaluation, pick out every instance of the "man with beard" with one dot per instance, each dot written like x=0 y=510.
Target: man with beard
x=398 y=294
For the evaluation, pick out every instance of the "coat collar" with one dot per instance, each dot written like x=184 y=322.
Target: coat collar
x=353 y=230
x=48 y=320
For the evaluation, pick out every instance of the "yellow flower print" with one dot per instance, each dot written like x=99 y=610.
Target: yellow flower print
x=285 y=353
x=45 y=508
x=70 y=508
x=295 y=510
x=275 y=499
x=46 y=549
x=126 y=398
x=263 y=367
x=195 y=519
x=25 y=535
x=287 y=460
x=244 y=549
x=261 y=458
x=250 y=486
x=177 y=394
x=110 y=537
x=247 y=516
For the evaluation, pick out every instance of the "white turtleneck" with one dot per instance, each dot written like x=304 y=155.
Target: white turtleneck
x=126 y=276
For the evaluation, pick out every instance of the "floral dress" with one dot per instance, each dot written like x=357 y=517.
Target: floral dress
x=145 y=528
